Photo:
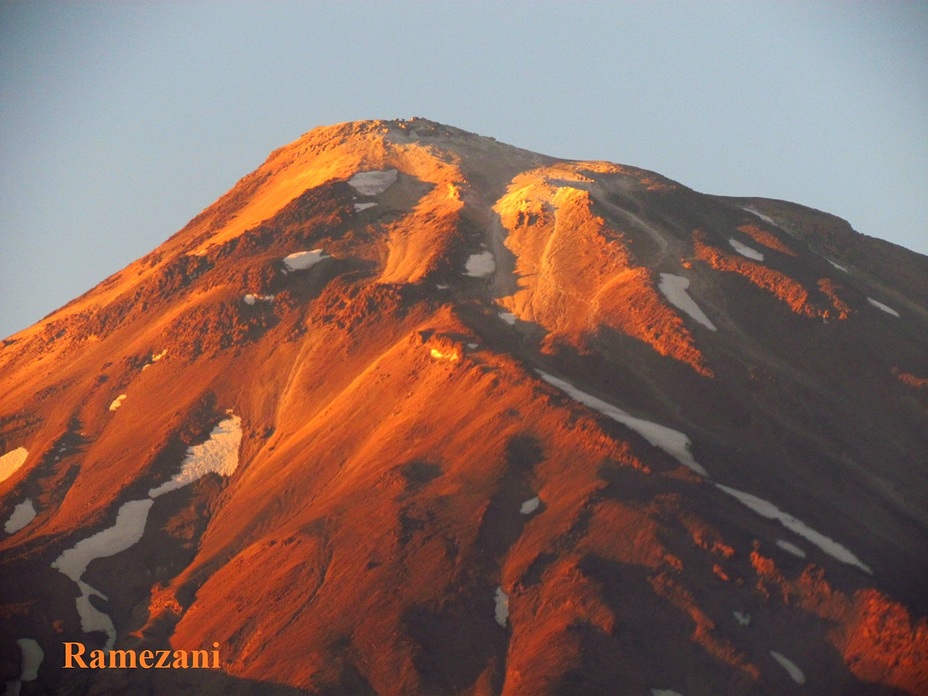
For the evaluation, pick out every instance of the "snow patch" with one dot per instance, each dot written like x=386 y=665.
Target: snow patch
x=250 y=299
x=674 y=289
x=358 y=207
x=32 y=655
x=791 y=548
x=885 y=308
x=530 y=505
x=767 y=509
x=508 y=317
x=759 y=214
x=128 y=530
x=837 y=265
x=480 y=265
x=374 y=182
x=502 y=607
x=22 y=515
x=11 y=461
x=791 y=669
x=673 y=442
x=473 y=346
x=742 y=617
x=117 y=402
x=302 y=260
x=665 y=692
x=745 y=250
x=219 y=454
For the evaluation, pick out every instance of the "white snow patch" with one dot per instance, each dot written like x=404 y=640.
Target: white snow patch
x=302 y=260
x=374 y=182
x=885 y=308
x=128 y=530
x=745 y=250
x=358 y=207
x=117 y=402
x=791 y=548
x=129 y=527
x=674 y=289
x=480 y=265
x=32 y=655
x=767 y=509
x=791 y=669
x=837 y=265
x=742 y=617
x=759 y=214
x=502 y=607
x=442 y=286
x=665 y=692
x=530 y=505
x=11 y=461
x=92 y=619
x=219 y=455
x=508 y=317
x=473 y=346
x=673 y=442
x=250 y=299
x=22 y=515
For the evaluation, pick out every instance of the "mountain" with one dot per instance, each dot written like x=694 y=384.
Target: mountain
x=411 y=411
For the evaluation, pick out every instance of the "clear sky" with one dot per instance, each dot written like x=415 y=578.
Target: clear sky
x=121 y=121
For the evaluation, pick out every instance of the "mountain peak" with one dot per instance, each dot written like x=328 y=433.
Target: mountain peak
x=411 y=411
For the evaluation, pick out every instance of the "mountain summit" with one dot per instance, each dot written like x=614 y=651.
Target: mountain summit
x=411 y=411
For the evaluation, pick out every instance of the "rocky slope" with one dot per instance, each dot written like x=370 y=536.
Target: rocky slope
x=410 y=411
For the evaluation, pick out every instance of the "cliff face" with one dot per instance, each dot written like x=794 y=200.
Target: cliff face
x=410 y=411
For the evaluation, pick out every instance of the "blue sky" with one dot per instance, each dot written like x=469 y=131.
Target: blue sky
x=121 y=121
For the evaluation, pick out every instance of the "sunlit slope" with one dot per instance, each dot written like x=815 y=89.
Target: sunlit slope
x=411 y=411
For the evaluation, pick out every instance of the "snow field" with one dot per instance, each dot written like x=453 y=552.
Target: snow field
x=374 y=182
x=219 y=454
x=791 y=548
x=881 y=306
x=480 y=265
x=767 y=509
x=302 y=260
x=673 y=442
x=745 y=250
x=250 y=299
x=794 y=672
x=674 y=289
x=501 y=600
x=22 y=515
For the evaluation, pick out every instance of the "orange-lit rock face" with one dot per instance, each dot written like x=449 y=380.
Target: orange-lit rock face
x=875 y=635
x=781 y=286
x=415 y=510
x=576 y=275
x=910 y=379
x=766 y=238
